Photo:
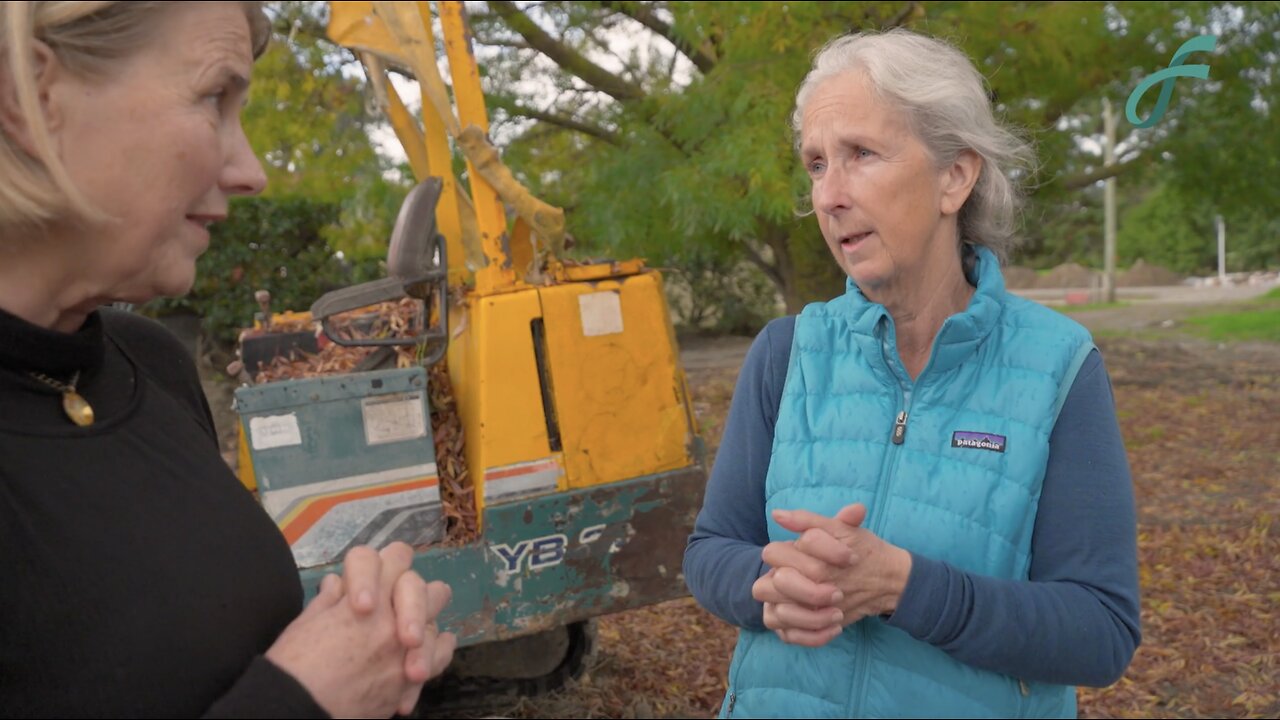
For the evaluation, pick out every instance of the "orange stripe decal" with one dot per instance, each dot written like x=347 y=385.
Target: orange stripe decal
x=526 y=470
x=318 y=508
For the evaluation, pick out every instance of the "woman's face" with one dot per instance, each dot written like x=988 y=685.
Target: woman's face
x=158 y=146
x=886 y=211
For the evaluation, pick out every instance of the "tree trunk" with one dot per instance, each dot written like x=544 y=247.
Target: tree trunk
x=806 y=272
x=784 y=274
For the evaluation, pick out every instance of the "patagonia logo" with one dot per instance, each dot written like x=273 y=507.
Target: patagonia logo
x=977 y=441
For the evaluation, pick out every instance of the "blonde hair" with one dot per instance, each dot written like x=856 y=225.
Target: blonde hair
x=944 y=99
x=89 y=39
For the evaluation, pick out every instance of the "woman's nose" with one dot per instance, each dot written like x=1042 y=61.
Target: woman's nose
x=831 y=193
x=243 y=174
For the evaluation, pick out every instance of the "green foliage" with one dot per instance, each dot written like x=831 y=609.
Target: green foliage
x=1245 y=325
x=366 y=218
x=1170 y=230
x=307 y=122
x=704 y=157
x=1257 y=320
x=710 y=164
x=267 y=243
x=710 y=293
x=1179 y=231
x=1062 y=228
x=1223 y=145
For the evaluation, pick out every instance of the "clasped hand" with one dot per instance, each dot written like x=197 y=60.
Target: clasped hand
x=367 y=643
x=834 y=574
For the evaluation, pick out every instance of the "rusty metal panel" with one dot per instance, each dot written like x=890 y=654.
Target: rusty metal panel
x=344 y=460
x=619 y=392
x=561 y=558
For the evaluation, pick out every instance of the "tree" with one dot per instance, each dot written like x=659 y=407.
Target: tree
x=1179 y=231
x=1167 y=230
x=309 y=118
x=660 y=125
x=306 y=117
x=1224 y=147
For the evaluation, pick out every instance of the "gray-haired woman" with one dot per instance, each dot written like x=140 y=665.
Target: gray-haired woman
x=140 y=579
x=921 y=505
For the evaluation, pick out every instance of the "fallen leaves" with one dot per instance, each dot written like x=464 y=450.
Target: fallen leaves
x=1208 y=495
x=1202 y=427
x=389 y=319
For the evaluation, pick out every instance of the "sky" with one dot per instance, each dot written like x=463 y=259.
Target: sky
x=622 y=40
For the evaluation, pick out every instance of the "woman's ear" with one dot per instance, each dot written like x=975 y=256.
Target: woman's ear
x=14 y=122
x=958 y=181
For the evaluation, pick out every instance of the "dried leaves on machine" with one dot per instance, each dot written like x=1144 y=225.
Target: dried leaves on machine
x=393 y=319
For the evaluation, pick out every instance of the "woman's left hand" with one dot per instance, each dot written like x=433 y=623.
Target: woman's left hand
x=836 y=572
x=416 y=604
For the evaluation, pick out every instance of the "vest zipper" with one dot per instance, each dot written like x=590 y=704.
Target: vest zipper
x=733 y=698
x=898 y=439
x=900 y=424
x=888 y=468
x=890 y=465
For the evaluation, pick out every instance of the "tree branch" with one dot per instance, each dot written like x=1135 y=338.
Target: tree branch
x=903 y=15
x=1085 y=179
x=563 y=121
x=498 y=42
x=633 y=72
x=644 y=15
x=564 y=56
x=769 y=269
x=776 y=236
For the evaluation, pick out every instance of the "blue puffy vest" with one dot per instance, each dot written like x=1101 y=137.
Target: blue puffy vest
x=949 y=466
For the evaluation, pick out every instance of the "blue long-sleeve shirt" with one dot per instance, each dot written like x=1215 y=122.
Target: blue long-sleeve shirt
x=1075 y=622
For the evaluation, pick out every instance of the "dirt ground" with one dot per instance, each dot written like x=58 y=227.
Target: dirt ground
x=1201 y=423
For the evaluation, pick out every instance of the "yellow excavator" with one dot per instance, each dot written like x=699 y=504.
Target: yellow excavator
x=532 y=438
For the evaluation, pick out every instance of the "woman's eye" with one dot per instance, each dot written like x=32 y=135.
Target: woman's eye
x=816 y=167
x=864 y=153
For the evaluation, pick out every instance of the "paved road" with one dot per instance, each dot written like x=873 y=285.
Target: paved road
x=1168 y=294
x=1146 y=308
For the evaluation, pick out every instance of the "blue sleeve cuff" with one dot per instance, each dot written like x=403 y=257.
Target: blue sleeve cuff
x=923 y=600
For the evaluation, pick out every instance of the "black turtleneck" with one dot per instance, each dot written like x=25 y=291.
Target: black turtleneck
x=140 y=578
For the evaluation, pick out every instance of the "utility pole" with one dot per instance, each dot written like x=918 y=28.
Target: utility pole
x=1222 y=252
x=1109 y=205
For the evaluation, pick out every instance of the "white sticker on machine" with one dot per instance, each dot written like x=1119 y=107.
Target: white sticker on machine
x=601 y=313
x=392 y=418
x=273 y=431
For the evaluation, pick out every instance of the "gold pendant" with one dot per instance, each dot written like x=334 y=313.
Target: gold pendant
x=77 y=408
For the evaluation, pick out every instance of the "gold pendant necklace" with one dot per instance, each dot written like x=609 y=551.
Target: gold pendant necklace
x=73 y=404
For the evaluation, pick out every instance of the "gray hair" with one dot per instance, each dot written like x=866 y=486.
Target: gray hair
x=944 y=99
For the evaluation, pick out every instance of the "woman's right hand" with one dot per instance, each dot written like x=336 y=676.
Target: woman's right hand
x=812 y=622
x=834 y=574
x=358 y=661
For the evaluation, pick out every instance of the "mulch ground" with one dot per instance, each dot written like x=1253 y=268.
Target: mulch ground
x=1202 y=428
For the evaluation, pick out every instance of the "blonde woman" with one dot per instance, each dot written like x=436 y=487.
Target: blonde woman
x=140 y=579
